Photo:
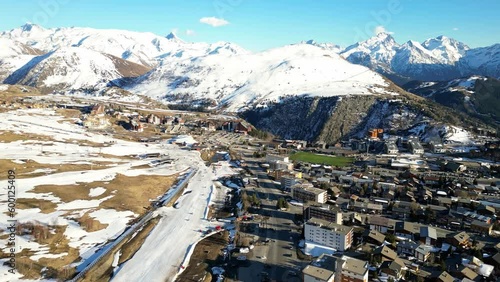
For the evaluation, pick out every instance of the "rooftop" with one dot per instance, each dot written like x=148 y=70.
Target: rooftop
x=426 y=231
x=356 y=266
x=386 y=252
x=322 y=268
x=329 y=225
x=377 y=236
x=317 y=272
x=446 y=277
x=309 y=189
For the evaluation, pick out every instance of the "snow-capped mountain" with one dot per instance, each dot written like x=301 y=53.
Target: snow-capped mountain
x=376 y=53
x=447 y=50
x=138 y=47
x=221 y=74
x=484 y=61
x=11 y=48
x=13 y=55
x=327 y=46
x=240 y=81
x=413 y=60
x=439 y=58
x=73 y=68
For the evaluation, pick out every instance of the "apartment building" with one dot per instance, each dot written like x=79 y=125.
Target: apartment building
x=327 y=212
x=304 y=193
x=287 y=182
x=329 y=234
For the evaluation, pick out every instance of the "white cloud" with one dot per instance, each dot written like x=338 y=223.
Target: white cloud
x=381 y=29
x=174 y=30
x=213 y=21
x=455 y=28
x=190 y=32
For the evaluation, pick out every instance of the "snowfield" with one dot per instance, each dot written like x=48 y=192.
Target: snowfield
x=169 y=241
x=165 y=249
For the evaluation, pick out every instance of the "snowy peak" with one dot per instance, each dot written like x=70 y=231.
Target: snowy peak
x=382 y=38
x=377 y=52
x=440 y=58
x=326 y=46
x=448 y=50
x=173 y=37
x=73 y=68
x=28 y=27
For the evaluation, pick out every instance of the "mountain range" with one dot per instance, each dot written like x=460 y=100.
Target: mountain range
x=436 y=59
x=225 y=76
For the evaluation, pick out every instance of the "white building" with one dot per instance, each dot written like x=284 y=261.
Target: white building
x=270 y=158
x=415 y=146
x=329 y=234
x=287 y=182
x=304 y=193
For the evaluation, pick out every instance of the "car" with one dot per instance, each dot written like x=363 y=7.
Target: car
x=241 y=258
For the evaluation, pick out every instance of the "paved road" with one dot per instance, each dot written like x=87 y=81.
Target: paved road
x=281 y=231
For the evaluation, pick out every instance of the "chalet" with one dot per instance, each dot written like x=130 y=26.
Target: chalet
x=445 y=277
x=373 y=237
x=97 y=118
x=384 y=253
x=422 y=252
x=408 y=230
x=428 y=235
x=460 y=239
x=243 y=127
x=381 y=224
x=153 y=119
x=406 y=247
x=393 y=269
x=481 y=227
x=135 y=125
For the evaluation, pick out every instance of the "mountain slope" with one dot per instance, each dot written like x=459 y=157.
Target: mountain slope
x=243 y=80
x=73 y=69
x=476 y=95
x=11 y=48
x=13 y=55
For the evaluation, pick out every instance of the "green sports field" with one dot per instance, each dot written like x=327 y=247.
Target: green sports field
x=321 y=159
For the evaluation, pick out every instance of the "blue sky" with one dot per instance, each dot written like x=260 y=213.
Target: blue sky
x=263 y=24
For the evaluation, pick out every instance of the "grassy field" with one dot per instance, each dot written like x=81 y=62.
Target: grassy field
x=321 y=159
